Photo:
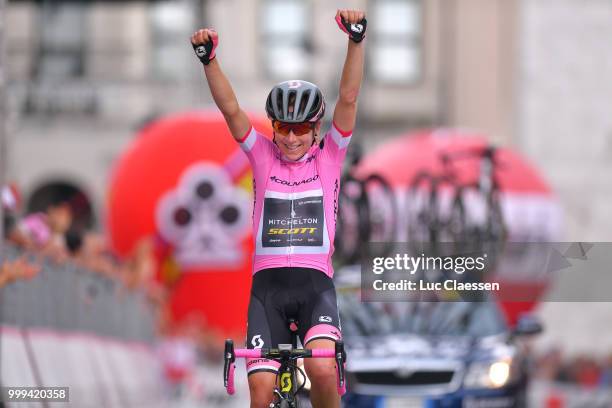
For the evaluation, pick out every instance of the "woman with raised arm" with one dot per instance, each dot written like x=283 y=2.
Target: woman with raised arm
x=296 y=179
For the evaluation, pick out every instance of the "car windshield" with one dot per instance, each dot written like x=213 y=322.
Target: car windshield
x=476 y=319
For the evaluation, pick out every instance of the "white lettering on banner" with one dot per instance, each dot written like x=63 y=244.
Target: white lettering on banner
x=450 y=285
x=298 y=221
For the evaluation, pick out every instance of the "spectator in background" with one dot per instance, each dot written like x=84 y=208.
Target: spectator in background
x=11 y=202
x=91 y=250
x=549 y=365
x=45 y=231
x=605 y=380
x=11 y=270
x=585 y=372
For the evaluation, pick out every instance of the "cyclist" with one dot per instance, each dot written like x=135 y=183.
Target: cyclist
x=296 y=183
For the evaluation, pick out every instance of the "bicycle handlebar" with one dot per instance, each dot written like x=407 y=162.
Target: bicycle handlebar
x=231 y=354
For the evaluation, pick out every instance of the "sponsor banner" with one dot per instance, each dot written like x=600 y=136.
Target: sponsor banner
x=298 y=222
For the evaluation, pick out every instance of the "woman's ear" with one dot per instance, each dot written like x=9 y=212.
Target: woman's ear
x=317 y=132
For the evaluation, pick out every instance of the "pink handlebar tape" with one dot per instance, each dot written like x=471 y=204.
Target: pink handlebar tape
x=322 y=353
x=231 y=388
x=248 y=353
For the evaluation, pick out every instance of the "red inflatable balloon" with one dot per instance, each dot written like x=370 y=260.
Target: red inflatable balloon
x=185 y=181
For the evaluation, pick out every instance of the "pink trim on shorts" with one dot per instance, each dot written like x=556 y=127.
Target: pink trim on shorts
x=323 y=331
x=254 y=365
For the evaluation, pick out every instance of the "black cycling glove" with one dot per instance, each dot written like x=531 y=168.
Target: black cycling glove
x=206 y=52
x=356 y=32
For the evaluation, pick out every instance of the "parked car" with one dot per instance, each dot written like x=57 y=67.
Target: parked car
x=444 y=354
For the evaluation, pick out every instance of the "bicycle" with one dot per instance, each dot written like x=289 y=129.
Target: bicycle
x=287 y=388
x=367 y=212
x=493 y=229
x=433 y=225
x=432 y=222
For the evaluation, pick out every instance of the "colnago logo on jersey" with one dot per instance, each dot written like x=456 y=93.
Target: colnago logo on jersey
x=294 y=183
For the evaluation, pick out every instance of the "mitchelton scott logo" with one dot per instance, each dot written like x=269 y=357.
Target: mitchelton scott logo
x=285 y=381
x=358 y=28
x=257 y=342
x=200 y=51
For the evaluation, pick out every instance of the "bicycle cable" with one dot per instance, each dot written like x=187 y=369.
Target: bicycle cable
x=294 y=365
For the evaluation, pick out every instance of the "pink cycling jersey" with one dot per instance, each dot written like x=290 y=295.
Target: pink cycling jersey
x=294 y=214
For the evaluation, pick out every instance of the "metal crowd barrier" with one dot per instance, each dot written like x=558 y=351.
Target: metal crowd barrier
x=75 y=328
x=559 y=395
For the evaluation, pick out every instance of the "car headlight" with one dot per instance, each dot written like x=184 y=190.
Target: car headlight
x=489 y=374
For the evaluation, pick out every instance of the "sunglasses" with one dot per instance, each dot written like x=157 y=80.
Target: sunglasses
x=299 y=129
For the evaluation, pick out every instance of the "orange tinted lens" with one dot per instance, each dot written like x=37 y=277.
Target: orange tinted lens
x=299 y=129
x=282 y=128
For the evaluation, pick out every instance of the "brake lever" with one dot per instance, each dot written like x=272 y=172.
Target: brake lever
x=228 y=359
x=340 y=360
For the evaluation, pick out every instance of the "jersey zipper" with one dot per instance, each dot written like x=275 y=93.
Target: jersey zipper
x=290 y=248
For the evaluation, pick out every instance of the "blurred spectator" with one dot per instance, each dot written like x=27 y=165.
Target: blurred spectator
x=89 y=250
x=17 y=269
x=139 y=268
x=549 y=365
x=9 y=197
x=74 y=241
x=178 y=353
x=606 y=373
x=585 y=372
x=11 y=202
x=45 y=231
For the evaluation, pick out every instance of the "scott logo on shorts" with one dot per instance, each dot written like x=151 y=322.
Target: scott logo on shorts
x=325 y=319
x=257 y=342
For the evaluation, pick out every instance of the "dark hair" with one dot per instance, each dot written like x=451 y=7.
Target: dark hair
x=8 y=223
x=74 y=240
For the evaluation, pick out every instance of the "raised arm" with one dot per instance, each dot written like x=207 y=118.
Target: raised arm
x=352 y=22
x=204 y=42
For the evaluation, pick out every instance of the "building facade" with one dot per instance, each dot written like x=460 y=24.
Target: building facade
x=84 y=76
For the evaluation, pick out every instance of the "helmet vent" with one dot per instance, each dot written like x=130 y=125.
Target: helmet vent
x=304 y=103
x=295 y=101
